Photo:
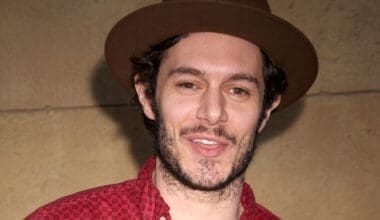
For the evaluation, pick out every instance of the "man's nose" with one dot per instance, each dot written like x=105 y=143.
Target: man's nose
x=212 y=108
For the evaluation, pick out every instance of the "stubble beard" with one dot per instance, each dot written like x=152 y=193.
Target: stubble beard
x=206 y=177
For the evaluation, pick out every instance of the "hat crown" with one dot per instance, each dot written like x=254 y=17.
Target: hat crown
x=258 y=4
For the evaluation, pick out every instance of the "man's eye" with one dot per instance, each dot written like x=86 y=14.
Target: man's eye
x=187 y=85
x=239 y=91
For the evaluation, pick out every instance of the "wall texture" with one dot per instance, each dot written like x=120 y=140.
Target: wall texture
x=65 y=125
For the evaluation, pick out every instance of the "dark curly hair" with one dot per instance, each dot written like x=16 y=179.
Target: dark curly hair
x=147 y=67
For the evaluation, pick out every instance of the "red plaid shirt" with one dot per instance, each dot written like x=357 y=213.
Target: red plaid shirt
x=133 y=199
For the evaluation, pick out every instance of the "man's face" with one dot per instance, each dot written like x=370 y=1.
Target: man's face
x=209 y=100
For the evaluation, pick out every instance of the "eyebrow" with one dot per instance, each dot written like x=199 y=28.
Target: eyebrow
x=245 y=77
x=235 y=77
x=186 y=70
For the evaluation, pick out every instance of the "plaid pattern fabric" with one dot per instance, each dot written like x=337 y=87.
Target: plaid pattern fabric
x=133 y=200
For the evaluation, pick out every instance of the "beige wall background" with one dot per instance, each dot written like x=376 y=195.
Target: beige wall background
x=65 y=125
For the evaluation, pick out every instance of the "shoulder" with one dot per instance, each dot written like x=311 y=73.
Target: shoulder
x=262 y=213
x=258 y=212
x=252 y=209
x=94 y=202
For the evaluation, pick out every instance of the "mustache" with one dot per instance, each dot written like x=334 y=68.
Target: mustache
x=217 y=131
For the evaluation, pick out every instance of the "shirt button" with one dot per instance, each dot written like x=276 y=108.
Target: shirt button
x=162 y=218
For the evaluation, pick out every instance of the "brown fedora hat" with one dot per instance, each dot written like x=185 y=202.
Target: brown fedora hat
x=287 y=47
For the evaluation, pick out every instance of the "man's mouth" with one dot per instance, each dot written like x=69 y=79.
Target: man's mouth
x=207 y=142
x=219 y=132
x=204 y=141
x=208 y=146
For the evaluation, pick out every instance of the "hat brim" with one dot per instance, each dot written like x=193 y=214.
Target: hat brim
x=286 y=46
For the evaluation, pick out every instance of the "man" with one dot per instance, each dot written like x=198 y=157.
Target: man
x=207 y=87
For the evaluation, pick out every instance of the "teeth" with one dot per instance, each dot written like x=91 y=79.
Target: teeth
x=203 y=141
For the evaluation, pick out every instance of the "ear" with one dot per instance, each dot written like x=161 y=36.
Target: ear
x=268 y=112
x=144 y=101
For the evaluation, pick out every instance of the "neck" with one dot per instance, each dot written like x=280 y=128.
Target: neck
x=188 y=203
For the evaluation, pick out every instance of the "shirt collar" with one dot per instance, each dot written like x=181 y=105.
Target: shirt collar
x=146 y=172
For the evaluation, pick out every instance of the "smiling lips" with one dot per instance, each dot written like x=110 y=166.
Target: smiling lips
x=208 y=146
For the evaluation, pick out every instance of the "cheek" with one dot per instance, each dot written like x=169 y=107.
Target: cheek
x=243 y=119
x=175 y=109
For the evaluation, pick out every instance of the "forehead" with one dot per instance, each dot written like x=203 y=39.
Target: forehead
x=214 y=53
